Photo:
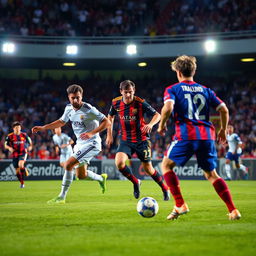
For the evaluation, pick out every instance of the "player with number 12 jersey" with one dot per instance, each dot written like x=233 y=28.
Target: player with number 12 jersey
x=191 y=112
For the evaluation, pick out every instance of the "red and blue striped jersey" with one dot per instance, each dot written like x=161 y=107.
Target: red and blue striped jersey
x=131 y=118
x=191 y=113
x=18 y=142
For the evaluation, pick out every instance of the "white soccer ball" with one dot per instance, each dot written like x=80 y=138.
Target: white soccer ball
x=147 y=207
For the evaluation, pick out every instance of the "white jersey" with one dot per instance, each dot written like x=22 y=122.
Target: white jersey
x=63 y=139
x=233 y=141
x=85 y=119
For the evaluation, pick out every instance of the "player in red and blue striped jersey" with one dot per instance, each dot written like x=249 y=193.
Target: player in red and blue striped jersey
x=19 y=143
x=189 y=103
x=134 y=134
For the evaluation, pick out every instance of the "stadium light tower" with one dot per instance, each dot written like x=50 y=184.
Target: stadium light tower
x=131 y=49
x=72 y=49
x=210 y=46
x=8 y=48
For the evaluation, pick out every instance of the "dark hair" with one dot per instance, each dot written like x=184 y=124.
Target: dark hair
x=126 y=84
x=74 y=88
x=185 y=64
x=16 y=123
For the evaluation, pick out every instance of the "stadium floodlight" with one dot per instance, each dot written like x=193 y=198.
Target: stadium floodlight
x=131 y=49
x=248 y=59
x=210 y=46
x=8 y=48
x=142 y=64
x=69 y=64
x=72 y=49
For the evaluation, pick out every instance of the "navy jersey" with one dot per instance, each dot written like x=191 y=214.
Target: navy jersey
x=192 y=102
x=131 y=117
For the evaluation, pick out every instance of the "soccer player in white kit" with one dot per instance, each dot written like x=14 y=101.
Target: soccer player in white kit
x=63 y=144
x=87 y=122
x=234 y=153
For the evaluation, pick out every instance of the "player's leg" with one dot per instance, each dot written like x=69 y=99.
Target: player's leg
x=83 y=173
x=66 y=181
x=227 y=166
x=120 y=160
x=240 y=167
x=148 y=167
x=143 y=151
x=207 y=158
x=19 y=174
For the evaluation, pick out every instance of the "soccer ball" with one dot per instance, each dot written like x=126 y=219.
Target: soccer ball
x=147 y=207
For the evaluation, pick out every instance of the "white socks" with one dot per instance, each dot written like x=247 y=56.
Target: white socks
x=228 y=171
x=242 y=168
x=94 y=176
x=66 y=182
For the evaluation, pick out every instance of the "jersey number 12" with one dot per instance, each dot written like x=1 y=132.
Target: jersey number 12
x=194 y=100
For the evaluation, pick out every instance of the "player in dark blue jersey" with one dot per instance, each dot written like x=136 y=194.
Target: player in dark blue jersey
x=130 y=110
x=190 y=103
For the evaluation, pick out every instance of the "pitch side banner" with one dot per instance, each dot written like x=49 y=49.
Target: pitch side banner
x=39 y=170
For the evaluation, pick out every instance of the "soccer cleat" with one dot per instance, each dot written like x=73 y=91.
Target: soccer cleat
x=22 y=185
x=57 y=200
x=234 y=215
x=166 y=194
x=136 y=189
x=103 y=183
x=177 y=211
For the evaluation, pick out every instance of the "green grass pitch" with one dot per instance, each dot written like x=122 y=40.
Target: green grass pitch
x=94 y=224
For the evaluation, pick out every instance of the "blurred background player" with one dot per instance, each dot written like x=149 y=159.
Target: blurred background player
x=134 y=135
x=19 y=143
x=62 y=145
x=234 y=153
x=87 y=122
x=190 y=103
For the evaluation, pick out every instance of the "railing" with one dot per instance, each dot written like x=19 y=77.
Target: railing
x=130 y=39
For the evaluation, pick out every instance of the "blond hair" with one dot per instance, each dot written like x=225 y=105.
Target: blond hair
x=185 y=64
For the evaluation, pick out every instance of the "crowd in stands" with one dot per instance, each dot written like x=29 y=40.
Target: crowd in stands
x=73 y=17
x=39 y=102
x=120 y=17
x=204 y=16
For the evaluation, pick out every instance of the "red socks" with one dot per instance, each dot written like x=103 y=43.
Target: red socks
x=128 y=174
x=159 y=180
x=172 y=182
x=224 y=193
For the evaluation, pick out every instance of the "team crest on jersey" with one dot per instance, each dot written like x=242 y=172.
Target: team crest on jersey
x=82 y=117
x=135 y=111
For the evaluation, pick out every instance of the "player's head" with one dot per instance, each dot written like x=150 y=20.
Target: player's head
x=230 y=129
x=127 y=89
x=16 y=126
x=185 y=66
x=57 y=131
x=75 y=95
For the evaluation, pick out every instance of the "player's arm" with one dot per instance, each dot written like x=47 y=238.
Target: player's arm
x=165 y=114
x=109 y=139
x=224 y=118
x=6 y=146
x=30 y=147
x=105 y=123
x=155 y=119
x=66 y=145
x=56 y=124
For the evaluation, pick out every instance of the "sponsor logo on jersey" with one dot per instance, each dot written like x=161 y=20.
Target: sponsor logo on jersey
x=128 y=118
x=78 y=123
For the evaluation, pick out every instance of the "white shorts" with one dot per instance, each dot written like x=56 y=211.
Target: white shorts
x=83 y=153
x=65 y=157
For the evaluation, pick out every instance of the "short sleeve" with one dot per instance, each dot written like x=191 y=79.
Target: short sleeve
x=96 y=114
x=215 y=101
x=169 y=95
x=112 y=111
x=148 y=109
x=65 y=117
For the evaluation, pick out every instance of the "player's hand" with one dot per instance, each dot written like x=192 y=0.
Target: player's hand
x=86 y=135
x=109 y=141
x=222 y=136
x=36 y=129
x=147 y=128
x=162 y=130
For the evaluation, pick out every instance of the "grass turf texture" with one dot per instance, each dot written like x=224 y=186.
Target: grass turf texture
x=94 y=224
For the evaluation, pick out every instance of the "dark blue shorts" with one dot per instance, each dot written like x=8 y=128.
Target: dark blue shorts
x=180 y=151
x=233 y=157
x=142 y=149
x=15 y=160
